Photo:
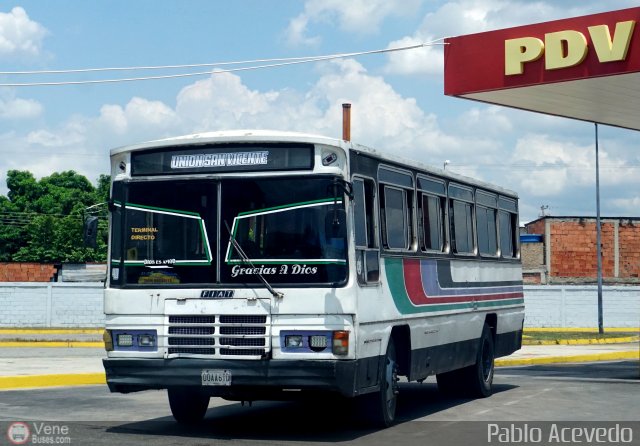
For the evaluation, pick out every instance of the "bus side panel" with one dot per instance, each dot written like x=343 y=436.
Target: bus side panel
x=445 y=303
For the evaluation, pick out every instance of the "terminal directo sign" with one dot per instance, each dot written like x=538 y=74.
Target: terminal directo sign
x=583 y=67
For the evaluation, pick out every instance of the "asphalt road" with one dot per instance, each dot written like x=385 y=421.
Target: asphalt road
x=578 y=396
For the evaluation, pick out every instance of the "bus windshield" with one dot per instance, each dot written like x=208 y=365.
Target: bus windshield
x=173 y=233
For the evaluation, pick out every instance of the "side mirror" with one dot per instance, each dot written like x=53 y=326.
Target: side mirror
x=335 y=224
x=90 y=232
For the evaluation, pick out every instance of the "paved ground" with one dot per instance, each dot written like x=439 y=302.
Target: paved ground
x=578 y=396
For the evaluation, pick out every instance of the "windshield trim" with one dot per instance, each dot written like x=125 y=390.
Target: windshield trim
x=175 y=213
x=272 y=210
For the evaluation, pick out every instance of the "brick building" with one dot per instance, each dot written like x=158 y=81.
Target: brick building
x=27 y=272
x=565 y=250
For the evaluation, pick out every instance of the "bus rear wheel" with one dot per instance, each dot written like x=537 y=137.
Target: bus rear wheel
x=474 y=381
x=187 y=406
x=479 y=377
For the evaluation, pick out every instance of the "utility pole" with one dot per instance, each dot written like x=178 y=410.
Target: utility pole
x=598 y=238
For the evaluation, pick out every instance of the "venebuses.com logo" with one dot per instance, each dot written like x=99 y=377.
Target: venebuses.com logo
x=18 y=432
x=38 y=432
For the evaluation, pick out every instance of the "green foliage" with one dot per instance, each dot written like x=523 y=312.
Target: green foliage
x=41 y=221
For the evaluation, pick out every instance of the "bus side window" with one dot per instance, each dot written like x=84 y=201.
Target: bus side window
x=461 y=219
x=366 y=236
x=507 y=244
x=432 y=220
x=508 y=227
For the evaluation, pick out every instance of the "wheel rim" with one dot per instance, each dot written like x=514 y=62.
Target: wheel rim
x=391 y=384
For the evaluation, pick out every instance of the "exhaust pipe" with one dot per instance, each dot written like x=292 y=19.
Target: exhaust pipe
x=346 y=122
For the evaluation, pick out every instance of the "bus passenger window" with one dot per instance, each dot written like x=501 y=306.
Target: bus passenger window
x=433 y=223
x=366 y=234
x=461 y=215
x=487 y=230
x=396 y=232
x=507 y=225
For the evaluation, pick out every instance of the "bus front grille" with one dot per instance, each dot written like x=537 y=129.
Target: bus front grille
x=218 y=336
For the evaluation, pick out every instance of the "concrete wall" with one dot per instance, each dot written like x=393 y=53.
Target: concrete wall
x=577 y=306
x=51 y=304
x=80 y=305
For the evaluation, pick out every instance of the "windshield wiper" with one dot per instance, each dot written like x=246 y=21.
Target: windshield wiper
x=245 y=258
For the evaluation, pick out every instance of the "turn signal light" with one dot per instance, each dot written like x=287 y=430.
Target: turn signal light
x=340 y=342
x=108 y=342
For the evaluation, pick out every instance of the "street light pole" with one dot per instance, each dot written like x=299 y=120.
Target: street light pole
x=598 y=237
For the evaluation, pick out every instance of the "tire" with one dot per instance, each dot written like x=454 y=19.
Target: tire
x=474 y=381
x=187 y=406
x=381 y=406
x=479 y=377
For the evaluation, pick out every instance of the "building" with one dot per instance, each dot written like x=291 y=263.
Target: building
x=563 y=250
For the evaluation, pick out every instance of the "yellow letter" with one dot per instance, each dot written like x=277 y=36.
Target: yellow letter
x=556 y=56
x=519 y=51
x=612 y=51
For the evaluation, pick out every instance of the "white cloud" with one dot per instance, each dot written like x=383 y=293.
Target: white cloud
x=19 y=35
x=551 y=166
x=13 y=108
x=627 y=206
x=462 y=17
x=140 y=118
x=484 y=142
x=354 y=16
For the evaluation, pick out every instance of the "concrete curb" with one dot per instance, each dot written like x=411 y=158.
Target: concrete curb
x=593 y=341
x=584 y=330
x=594 y=357
x=32 y=381
x=51 y=344
x=46 y=331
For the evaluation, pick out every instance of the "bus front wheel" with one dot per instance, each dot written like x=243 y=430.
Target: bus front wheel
x=381 y=406
x=187 y=406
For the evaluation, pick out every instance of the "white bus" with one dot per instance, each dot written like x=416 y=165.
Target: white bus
x=253 y=265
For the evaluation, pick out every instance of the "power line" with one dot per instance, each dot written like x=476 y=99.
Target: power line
x=272 y=63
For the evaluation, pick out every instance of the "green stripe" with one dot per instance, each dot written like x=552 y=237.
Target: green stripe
x=287 y=206
x=204 y=239
x=301 y=262
x=395 y=278
x=174 y=211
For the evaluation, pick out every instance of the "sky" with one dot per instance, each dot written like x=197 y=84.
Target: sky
x=398 y=102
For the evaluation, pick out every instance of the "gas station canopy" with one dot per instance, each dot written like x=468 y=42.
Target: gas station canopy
x=586 y=68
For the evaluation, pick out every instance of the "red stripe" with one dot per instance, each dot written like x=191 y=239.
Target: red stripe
x=413 y=282
x=417 y=296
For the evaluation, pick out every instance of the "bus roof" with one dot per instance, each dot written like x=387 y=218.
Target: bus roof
x=232 y=136
x=229 y=136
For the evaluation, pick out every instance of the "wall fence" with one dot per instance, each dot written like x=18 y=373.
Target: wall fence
x=71 y=305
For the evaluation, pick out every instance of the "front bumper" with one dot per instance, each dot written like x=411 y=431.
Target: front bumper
x=251 y=380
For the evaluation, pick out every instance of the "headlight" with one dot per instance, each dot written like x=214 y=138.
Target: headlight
x=124 y=340
x=146 y=340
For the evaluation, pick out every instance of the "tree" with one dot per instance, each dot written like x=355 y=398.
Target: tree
x=41 y=221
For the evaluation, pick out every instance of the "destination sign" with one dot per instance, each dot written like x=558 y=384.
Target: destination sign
x=222 y=158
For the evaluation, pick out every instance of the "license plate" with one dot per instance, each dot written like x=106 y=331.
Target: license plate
x=216 y=377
